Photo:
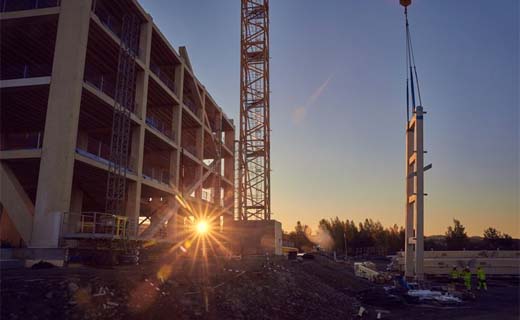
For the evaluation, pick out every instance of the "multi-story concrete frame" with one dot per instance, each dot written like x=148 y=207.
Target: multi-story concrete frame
x=58 y=70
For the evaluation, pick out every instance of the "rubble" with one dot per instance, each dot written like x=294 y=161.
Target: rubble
x=274 y=289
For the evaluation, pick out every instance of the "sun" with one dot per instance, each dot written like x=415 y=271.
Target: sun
x=202 y=227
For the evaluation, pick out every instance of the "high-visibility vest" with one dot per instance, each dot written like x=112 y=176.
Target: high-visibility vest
x=454 y=274
x=481 y=275
x=467 y=275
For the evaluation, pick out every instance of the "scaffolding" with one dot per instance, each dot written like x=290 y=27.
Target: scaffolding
x=121 y=122
x=254 y=191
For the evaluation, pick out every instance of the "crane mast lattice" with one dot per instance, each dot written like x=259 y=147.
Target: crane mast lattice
x=254 y=190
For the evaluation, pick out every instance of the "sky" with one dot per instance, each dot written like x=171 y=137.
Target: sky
x=338 y=103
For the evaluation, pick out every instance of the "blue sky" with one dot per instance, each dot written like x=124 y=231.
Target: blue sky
x=338 y=103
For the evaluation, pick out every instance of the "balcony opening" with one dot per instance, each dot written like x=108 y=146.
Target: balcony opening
x=18 y=5
x=111 y=13
x=162 y=112
x=191 y=95
x=22 y=117
x=157 y=160
x=95 y=130
x=27 y=47
x=164 y=62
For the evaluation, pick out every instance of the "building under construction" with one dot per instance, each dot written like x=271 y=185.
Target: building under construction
x=105 y=130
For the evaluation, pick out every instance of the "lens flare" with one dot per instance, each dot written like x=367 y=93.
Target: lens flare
x=202 y=227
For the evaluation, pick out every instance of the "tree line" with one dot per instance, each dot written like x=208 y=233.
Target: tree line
x=372 y=238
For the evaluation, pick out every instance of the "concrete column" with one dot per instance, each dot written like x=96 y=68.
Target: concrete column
x=179 y=81
x=145 y=41
x=230 y=140
x=173 y=167
x=76 y=205
x=172 y=228
x=200 y=141
x=133 y=202
x=76 y=201
x=61 y=124
x=177 y=123
x=16 y=202
x=141 y=93
x=175 y=156
x=228 y=196
x=82 y=142
x=136 y=146
x=200 y=137
x=218 y=136
x=419 y=203
x=133 y=207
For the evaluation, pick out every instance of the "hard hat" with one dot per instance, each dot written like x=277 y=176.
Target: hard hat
x=405 y=3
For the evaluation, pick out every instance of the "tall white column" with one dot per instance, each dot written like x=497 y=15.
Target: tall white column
x=419 y=203
x=409 y=212
x=61 y=123
x=414 y=232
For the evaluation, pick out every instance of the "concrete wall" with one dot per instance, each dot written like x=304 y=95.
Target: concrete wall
x=256 y=237
x=493 y=262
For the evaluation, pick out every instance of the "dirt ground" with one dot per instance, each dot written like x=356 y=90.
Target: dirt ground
x=252 y=288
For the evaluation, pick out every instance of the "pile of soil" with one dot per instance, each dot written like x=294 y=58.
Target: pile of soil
x=253 y=288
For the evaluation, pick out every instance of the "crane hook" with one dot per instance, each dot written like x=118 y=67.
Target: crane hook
x=405 y=3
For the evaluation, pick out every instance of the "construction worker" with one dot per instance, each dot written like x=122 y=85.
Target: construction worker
x=454 y=275
x=466 y=275
x=481 y=277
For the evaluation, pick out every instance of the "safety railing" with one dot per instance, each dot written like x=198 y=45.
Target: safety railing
x=17 y=5
x=160 y=126
x=98 y=148
x=100 y=151
x=104 y=83
x=95 y=223
x=163 y=77
x=21 y=140
x=22 y=71
x=157 y=175
x=108 y=20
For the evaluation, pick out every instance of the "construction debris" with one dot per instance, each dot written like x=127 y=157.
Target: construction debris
x=261 y=289
x=434 y=295
x=368 y=270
